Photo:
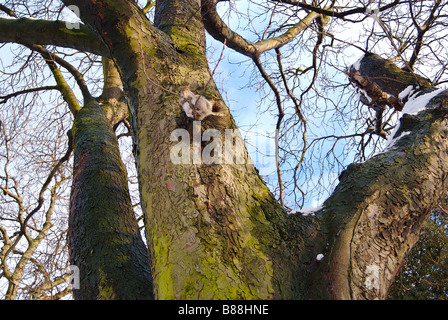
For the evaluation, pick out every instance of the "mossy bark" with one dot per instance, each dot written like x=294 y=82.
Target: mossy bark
x=210 y=227
x=378 y=71
x=104 y=239
x=43 y=32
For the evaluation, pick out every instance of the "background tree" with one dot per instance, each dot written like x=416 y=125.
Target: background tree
x=217 y=231
x=424 y=275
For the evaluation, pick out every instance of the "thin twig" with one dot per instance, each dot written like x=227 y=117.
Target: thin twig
x=281 y=114
x=216 y=65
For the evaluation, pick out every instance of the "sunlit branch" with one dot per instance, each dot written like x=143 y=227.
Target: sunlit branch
x=49 y=56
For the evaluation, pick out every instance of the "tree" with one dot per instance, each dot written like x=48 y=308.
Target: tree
x=423 y=275
x=215 y=229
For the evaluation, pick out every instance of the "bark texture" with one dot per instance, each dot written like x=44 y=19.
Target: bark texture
x=382 y=81
x=104 y=239
x=42 y=32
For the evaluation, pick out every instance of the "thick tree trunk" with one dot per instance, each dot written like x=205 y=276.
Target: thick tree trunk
x=210 y=227
x=104 y=239
x=214 y=229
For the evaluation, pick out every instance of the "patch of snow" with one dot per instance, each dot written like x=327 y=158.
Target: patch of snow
x=310 y=210
x=319 y=257
x=306 y=211
x=373 y=277
x=416 y=104
x=357 y=64
x=406 y=92
x=363 y=93
x=391 y=140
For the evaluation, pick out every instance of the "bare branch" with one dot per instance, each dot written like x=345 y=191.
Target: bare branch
x=220 y=31
x=50 y=57
x=32 y=31
x=336 y=14
x=5 y=98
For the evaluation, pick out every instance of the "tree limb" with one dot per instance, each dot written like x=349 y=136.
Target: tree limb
x=288 y=36
x=386 y=199
x=63 y=87
x=220 y=31
x=33 y=31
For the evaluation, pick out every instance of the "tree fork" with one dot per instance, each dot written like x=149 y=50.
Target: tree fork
x=215 y=231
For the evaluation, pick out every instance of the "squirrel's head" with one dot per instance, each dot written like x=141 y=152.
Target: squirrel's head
x=185 y=90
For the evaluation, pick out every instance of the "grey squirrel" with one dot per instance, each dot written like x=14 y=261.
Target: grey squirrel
x=198 y=107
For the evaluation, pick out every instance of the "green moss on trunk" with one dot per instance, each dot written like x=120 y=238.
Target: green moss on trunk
x=104 y=240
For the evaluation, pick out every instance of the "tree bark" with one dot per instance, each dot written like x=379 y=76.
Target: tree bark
x=104 y=239
x=210 y=227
